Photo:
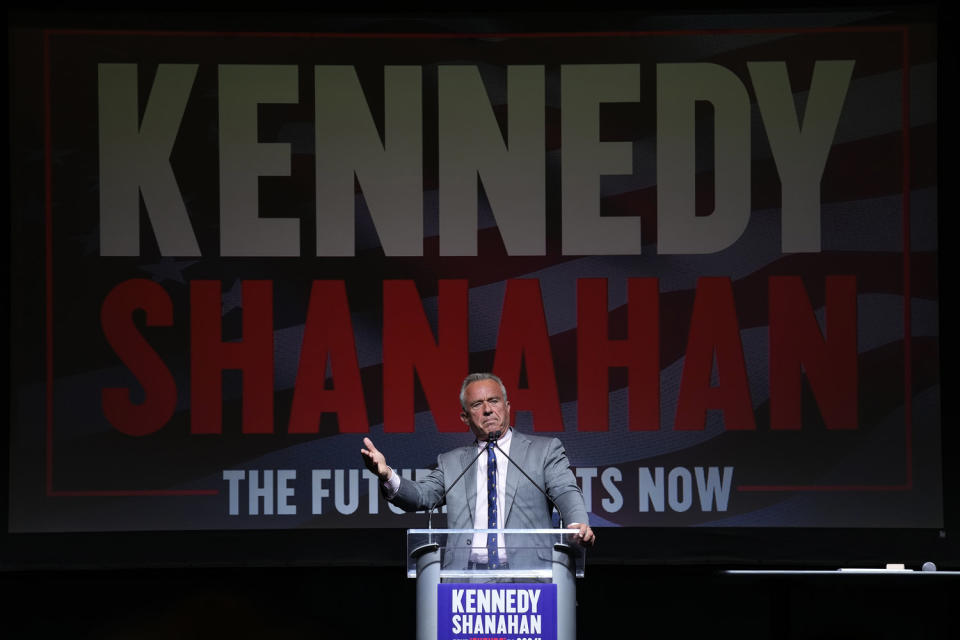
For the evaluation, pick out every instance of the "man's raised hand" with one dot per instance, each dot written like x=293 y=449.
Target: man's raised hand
x=375 y=460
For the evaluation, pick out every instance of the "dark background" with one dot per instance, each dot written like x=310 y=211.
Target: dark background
x=655 y=581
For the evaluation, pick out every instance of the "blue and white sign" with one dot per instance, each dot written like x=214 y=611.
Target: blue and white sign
x=520 y=611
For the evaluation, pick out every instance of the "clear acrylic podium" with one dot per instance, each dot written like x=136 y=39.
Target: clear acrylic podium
x=532 y=555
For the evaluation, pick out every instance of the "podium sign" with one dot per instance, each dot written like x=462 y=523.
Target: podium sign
x=523 y=611
x=530 y=595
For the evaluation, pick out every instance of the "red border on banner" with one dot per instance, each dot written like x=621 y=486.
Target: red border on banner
x=48 y=204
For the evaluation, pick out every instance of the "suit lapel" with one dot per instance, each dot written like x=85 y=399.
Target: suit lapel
x=470 y=480
x=518 y=452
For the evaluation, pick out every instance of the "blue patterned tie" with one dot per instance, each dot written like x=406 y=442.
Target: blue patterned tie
x=493 y=557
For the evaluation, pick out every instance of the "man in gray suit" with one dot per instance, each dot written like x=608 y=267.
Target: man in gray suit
x=521 y=505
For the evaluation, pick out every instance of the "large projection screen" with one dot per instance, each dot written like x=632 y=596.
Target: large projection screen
x=701 y=251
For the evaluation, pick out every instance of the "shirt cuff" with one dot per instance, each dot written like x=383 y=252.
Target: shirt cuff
x=391 y=486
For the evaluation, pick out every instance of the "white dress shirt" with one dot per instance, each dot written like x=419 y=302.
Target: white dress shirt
x=479 y=543
x=479 y=551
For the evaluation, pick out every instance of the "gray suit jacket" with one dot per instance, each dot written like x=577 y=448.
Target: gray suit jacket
x=544 y=460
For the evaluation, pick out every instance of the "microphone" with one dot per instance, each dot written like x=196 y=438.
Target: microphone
x=492 y=438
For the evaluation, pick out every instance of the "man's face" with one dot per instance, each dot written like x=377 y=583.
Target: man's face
x=485 y=409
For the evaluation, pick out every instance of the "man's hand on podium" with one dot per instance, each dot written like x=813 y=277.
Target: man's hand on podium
x=584 y=535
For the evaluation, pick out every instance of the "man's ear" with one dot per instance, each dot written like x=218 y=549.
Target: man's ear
x=463 y=418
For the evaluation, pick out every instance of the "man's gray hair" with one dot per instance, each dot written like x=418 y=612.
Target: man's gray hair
x=477 y=377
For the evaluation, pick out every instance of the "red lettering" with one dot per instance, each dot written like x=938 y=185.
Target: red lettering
x=210 y=356
x=411 y=351
x=160 y=391
x=523 y=339
x=796 y=344
x=639 y=352
x=409 y=347
x=328 y=334
x=714 y=332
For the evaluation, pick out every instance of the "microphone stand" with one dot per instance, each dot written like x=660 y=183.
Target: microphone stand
x=491 y=441
x=559 y=546
x=527 y=476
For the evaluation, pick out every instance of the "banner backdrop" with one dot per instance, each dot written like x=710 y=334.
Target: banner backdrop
x=705 y=259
